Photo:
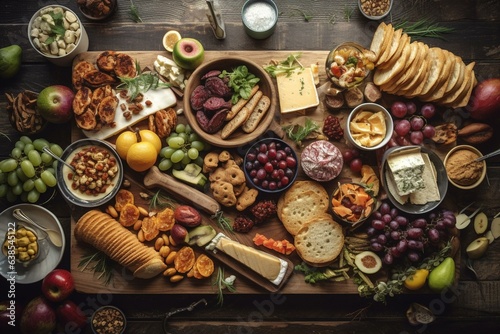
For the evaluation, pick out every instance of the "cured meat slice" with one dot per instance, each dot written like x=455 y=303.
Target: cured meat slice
x=322 y=160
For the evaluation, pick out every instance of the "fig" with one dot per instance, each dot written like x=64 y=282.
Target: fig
x=10 y=61
x=368 y=262
x=187 y=216
x=179 y=234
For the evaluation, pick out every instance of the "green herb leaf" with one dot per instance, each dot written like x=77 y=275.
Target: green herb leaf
x=307 y=16
x=423 y=28
x=298 y=133
x=241 y=81
x=288 y=66
x=134 y=12
x=222 y=283
x=159 y=201
x=141 y=83
x=99 y=263
x=223 y=222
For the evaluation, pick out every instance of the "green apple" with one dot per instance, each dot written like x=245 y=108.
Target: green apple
x=188 y=53
x=55 y=103
x=10 y=61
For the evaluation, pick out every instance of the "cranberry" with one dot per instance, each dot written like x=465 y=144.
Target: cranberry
x=261 y=174
x=264 y=184
x=262 y=158
x=253 y=173
x=284 y=181
x=251 y=157
x=272 y=185
x=263 y=148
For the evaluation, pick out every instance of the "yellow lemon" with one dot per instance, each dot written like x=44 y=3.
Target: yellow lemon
x=170 y=38
x=141 y=156
x=150 y=136
x=124 y=141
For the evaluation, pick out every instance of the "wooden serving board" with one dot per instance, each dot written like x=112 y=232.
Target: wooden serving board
x=124 y=283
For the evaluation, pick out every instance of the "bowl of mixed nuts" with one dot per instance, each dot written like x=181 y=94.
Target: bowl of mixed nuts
x=57 y=34
x=97 y=10
x=375 y=9
x=108 y=319
x=92 y=174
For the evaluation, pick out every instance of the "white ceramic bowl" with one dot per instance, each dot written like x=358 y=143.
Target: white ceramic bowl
x=483 y=170
x=372 y=107
x=75 y=197
x=375 y=17
x=45 y=263
x=82 y=42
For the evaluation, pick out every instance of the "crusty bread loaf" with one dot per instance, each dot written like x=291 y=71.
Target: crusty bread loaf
x=303 y=201
x=107 y=235
x=319 y=241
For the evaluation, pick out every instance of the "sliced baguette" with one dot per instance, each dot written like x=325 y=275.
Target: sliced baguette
x=378 y=39
x=257 y=114
x=240 y=104
x=241 y=117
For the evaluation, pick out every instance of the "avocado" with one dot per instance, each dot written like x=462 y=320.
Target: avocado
x=191 y=174
x=10 y=61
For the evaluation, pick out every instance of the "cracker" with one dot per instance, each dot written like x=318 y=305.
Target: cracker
x=246 y=198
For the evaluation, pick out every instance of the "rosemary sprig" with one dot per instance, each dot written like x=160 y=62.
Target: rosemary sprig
x=423 y=28
x=222 y=283
x=99 y=263
x=306 y=15
x=141 y=83
x=298 y=133
x=288 y=66
x=223 y=222
x=348 y=13
x=159 y=201
x=134 y=12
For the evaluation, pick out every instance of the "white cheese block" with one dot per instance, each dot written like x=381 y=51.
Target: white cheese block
x=430 y=192
x=267 y=265
x=297 y=91
x=407 y=169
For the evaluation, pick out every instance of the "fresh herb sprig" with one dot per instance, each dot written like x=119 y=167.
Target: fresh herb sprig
x=141 y=83
x=306 y=15
x=222 y=283
x=423 y=28
x=241 y=81
x=57 y=28
x=134 y=12
x=99 y=263
x=223 y=222
x=298 y=133
x=287 y=66
x=159 y=201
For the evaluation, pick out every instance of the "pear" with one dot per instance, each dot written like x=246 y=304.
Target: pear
x=442 y=276
x=477 y=248
x=495 y=227
x=10 y=61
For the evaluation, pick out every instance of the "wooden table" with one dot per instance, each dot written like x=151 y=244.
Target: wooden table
x=475 y=38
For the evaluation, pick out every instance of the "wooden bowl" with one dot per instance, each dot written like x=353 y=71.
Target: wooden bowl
x=238 y=138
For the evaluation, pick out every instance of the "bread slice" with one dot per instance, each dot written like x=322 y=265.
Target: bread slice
x=392 y=50
x=409 y=70
x=378 y=39
x=388 y=42
x=319 y=241
x=439 y=87
x=437 y=61
x=454 y=96
x=384 y=76
x=257 y=114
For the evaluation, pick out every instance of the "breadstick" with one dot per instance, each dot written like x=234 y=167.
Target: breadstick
x=257 y=114
x=240 y=104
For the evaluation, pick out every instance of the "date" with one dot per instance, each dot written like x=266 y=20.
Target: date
x=187 y=216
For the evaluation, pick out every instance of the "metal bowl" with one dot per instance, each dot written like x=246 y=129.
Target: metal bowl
x=75 y=196
x=105 y=314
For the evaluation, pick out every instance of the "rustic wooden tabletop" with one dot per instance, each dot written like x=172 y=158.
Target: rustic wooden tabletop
x=315 y=25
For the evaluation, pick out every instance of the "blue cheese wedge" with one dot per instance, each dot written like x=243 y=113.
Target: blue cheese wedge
x=268 y=266
x=406 y=169
x=430 y=193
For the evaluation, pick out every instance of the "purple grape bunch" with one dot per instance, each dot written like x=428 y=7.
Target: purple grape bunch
x=399 y=237
x=411 y=124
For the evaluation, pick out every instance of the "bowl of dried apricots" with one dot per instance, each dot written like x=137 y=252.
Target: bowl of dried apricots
x=352 y=203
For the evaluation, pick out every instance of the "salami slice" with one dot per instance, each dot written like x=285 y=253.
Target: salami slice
x=322 y=161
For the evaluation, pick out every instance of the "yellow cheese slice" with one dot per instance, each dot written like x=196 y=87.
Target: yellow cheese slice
x=267 y=265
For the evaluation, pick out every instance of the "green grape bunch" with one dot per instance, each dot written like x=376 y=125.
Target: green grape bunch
x=29 y=171
x=183 y=147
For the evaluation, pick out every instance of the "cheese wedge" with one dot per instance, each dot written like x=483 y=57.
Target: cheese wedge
x=407 y=168
x=430 y=192
x=267 y=265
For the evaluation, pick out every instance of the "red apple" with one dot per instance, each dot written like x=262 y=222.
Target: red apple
x=58 y=285
x=38 y=317
x=10 y=312
x=55 y=103
x=70 y=316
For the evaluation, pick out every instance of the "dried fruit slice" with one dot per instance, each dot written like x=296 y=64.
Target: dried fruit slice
x=204 y=266
x=107 y=109
x=122 y=197
x=106 y=61
x=149 y=228
x=184 y=260
x=86 y=121
x=96 y=78
x=165 y=219
x=129 y=215
x=83 y=98
x=79 y=72
x=125 y=66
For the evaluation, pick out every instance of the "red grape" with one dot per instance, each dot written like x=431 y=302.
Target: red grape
x=399 y=109
x=428 y=110
x=356 y=165
x=411 y=108
x=402 y=128
x=417 y=123
x=416 y=137
x=428 y=131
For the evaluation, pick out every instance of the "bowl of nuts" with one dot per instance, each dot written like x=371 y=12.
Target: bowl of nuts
x=375 y=9
x=92 y=174
x=26 y=247
x=56 y=33
x=108 y=319
x=97 y=10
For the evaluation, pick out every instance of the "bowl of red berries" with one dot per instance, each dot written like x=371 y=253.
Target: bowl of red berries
x=271 y=165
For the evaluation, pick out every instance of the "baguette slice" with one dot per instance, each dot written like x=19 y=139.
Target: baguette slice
x=240 y=104
x=319 y=241
x=257 y=114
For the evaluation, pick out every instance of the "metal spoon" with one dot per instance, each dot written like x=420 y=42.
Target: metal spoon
x=52 y=154
x=54 y=236
x=489 y=155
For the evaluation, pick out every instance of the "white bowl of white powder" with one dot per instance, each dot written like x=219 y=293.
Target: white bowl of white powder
x=259 y=18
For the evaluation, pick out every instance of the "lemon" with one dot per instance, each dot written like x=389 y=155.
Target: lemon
x=124 y=141
x=141 y=156
x=150 y=136
x=170 y=38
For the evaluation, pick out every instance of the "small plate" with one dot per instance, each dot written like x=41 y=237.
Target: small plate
x=442 y=181
x=40 y=268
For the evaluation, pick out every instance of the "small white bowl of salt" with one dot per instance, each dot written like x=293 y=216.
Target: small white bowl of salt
x=259 y=18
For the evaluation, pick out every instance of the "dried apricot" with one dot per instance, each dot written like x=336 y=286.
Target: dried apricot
x=203 y=266
x=122 y=197
x=149 y=228
x=165 y=219
x=184 y=260
x=129 y=215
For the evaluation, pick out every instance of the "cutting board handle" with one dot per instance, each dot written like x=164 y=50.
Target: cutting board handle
x=155 y=178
